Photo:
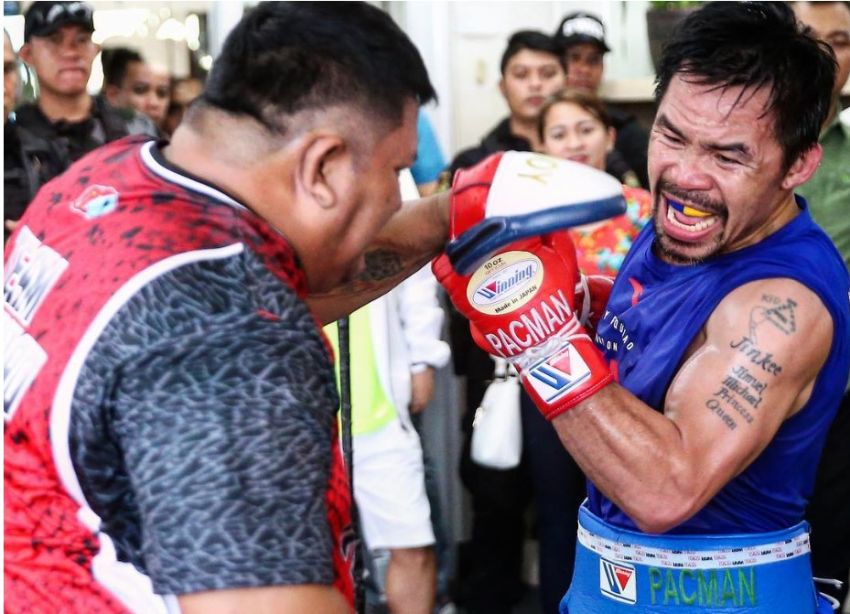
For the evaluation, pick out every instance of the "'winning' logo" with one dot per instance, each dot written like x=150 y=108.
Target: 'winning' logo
x=617 y=581
x=505 y=283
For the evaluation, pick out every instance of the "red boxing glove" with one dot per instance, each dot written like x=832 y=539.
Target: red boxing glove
x=520 y=306
x=592 y=292
x=513 y=195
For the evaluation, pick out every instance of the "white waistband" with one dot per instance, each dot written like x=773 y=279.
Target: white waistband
x=692 y=559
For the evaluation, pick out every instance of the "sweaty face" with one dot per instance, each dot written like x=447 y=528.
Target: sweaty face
x=530 y=77
x=373 y=196
x=62 y=60
x=10 y=77
x=584 y=66
x=145 y=90
x=716 y=169
x=574 y=133
x=830 y=22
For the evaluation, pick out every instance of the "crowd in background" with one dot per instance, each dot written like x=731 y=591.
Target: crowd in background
x=550 y=82
x=44 y=136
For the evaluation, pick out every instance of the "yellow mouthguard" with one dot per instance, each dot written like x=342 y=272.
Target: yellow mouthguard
x=691 y=212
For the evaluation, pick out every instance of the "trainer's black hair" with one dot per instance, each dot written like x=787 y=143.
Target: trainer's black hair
x=285 y=57
x=115 y=62
x=533 y=40
x=754 y=45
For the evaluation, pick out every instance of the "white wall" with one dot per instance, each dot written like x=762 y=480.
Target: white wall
x=462 y=43
x=148 y=27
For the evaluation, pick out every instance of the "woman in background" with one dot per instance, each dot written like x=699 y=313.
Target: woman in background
x=574 y=125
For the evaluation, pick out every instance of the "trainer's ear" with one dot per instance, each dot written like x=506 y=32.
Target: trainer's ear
x=325 y=164
x=803 y=167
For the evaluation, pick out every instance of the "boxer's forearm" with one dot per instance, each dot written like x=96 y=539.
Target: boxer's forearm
x=412 y=237
x=633 y=454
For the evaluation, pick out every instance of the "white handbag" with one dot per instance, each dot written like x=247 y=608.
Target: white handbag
x=497 y=427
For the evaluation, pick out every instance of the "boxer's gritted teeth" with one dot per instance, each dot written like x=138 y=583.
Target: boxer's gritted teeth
x=687 y=209
x=687 y=217
x=697 y=225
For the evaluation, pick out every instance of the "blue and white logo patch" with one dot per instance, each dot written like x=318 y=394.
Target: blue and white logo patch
x=558 y=374
x=618 y=581
x=96 y=200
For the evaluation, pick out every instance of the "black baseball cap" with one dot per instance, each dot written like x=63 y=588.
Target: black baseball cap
x=43 y=18
x=581 y=28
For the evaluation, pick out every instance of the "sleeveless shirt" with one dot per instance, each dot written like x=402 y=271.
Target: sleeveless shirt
x=654 y=312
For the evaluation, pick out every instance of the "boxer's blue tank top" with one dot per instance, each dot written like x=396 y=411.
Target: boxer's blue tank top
x=654 y=312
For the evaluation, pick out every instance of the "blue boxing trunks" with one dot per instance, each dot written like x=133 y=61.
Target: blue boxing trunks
x=619 y=571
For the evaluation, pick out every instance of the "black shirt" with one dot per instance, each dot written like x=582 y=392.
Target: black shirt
x=37 y=150
x=499 y=138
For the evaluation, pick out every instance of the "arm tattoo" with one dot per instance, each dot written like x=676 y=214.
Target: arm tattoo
x=714 y=406
x=381 y=264
x=385 y=268
x=780 y=314
x=746 y=346
x=741 y=391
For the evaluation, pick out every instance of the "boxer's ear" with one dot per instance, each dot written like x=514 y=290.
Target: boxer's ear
x=803 y=168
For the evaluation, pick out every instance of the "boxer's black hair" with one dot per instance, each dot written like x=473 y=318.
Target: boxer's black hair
x=533 y=40
x=754 y=45
x=286 y=57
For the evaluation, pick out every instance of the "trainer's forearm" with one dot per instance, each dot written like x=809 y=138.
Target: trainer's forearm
x=633 y=454
x=413 y=236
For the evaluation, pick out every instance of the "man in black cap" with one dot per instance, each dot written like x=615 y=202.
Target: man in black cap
x=65 y=122
x=581 y=36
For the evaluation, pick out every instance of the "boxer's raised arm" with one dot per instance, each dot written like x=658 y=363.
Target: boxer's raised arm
x=753 y=365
